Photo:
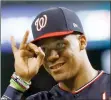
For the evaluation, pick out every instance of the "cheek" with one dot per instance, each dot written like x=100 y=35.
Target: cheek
x=70 y=54
x=72 y=67
x=75 y=51
x=72 y=58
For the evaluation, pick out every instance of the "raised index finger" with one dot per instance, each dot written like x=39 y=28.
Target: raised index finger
x=33 y=47
x=13 y=44
x=25 y=38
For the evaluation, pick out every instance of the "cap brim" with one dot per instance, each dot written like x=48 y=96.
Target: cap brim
x=53 y=34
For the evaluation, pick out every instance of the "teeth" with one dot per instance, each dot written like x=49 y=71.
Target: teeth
x=57 y=66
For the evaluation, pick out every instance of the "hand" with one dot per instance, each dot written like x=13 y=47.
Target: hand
x=26 y=65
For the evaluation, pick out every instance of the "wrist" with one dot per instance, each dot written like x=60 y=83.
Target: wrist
x=18 y=83
x=16 y=86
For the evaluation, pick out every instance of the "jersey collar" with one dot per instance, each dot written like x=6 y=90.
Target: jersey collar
x=87 y=84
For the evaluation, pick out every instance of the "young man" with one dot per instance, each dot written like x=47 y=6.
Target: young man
x=60 y=46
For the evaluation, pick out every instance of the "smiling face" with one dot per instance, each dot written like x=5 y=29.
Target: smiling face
x=63 y=56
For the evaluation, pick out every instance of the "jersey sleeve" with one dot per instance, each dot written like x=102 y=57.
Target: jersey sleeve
x=12 y=94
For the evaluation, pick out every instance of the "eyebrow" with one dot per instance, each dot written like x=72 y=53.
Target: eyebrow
x=55 y=42
x=41 y=42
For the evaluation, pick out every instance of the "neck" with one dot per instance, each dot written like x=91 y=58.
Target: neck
x=85 y=75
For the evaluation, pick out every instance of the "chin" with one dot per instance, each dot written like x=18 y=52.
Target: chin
x=61 y=77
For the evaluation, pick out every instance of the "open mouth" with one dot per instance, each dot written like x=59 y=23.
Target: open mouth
x=57 y=66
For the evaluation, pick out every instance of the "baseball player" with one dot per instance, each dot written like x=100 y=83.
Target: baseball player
x=60 y=46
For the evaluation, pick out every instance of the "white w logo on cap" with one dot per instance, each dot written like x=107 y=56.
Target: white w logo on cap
x=41 y=22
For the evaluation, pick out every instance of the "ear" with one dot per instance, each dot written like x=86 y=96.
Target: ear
x=83 y=42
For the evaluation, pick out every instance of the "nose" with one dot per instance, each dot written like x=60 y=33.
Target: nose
x=53 y=56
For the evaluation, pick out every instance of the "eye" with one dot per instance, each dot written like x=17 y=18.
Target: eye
x=44 y=49
x=60 y=45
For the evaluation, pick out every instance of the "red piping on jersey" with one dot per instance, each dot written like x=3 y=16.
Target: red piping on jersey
x=86 y=85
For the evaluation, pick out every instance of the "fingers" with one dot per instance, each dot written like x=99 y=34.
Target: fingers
x=25 y=38
x=41 y=56
x=13 y=44
x=34 y=48
x=26 y=53
x=41 y=51
x=38 y=51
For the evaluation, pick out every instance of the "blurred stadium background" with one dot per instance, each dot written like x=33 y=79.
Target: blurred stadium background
x=17 y=16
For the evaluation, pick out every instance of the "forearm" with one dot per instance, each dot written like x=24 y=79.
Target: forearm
x=12 y=94
x=16 y=88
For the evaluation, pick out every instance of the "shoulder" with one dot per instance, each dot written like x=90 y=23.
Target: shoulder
x=103 y=77
x=106 y=83
x=105 y=80
x=106 y=77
